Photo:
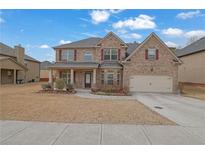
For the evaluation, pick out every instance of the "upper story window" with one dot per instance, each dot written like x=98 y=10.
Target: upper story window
x=110 y=54
x=68 y=55
x=88 y=56
x=152 y=54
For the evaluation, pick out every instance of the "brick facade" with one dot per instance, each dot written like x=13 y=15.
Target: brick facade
x=137 y=65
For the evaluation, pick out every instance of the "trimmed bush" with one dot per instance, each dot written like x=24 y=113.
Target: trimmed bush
x=69 y=87
x=60 y=84
x=46 y=86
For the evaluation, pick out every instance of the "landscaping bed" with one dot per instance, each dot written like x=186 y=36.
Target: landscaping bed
x=57 y=91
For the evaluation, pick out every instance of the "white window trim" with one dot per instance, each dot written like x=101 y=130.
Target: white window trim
x=110 y=54
x=67 y=52
x=108 y=73
x=152 y=49
x=88 y=53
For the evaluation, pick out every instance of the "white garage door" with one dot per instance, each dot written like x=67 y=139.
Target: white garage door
x=145 y=83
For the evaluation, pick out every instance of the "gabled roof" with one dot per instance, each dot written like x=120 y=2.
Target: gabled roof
x=153 y=35
x=195 y=47
x=8 y=58
x=111 y=33
x=85 y=43
x=9 y=51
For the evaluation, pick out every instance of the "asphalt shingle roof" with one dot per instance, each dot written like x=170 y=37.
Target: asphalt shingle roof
x=75 y=65
x=89 y=42
x=8 y=51
x=195 y=47
x=110 y=65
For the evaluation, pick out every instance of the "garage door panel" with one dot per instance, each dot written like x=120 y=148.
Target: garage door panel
x=143 y=83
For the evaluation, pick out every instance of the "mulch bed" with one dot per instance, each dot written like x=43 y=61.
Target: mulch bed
x=110 y=94
x=56 y=92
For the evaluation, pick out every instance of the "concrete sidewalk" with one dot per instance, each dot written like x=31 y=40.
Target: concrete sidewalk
x=19 y=132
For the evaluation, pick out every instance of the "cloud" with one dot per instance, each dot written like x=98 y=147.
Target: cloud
x=44 y=46
x=114 y=11
x=174 y=32
x=131 y=36
x=188 y=15
x=99 y=16
x=90 y=35
x=2 y=20
x=195 y=33
x=140 y=22
x=84 y=19
x=171 y=44
x=64 y=42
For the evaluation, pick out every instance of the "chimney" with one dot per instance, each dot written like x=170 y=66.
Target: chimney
x=19 y=51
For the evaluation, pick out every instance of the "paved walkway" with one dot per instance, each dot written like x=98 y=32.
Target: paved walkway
x=19 y=132
x=86 y=94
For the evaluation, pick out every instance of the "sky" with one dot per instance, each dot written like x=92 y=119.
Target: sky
x=40 y=30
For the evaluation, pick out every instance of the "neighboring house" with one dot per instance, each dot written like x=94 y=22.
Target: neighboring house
x=16 y=67
x=109 y=62
x=193 y=57
x=44 y=70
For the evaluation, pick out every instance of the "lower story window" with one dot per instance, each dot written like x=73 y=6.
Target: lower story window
x=110 y=78
x=66 y=77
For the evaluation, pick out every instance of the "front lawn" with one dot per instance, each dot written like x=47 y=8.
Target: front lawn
x=22 y=102
x=193 y=91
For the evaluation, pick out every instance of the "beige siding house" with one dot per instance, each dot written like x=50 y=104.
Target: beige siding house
x=193 y=68
x=16 y=67
x=109 y=62
x=44 y=70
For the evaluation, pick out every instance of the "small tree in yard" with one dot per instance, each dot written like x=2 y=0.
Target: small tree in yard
x=60 y=84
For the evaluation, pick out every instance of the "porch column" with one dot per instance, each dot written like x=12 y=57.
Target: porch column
x=50 y=76
x=0 y=76
x=71 y=76
x=14 y=76
x=94 y=76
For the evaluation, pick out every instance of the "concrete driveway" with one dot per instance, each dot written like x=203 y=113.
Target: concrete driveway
x=184 y=111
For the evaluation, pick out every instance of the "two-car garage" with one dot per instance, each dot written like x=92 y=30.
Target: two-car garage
x=151 y=83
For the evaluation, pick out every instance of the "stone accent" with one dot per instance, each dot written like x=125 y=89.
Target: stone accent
x=138 y=65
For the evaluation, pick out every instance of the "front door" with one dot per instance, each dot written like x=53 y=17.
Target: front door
x=87 y=80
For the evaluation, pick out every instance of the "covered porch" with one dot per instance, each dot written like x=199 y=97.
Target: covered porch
x=79 y=74
x=11 y=71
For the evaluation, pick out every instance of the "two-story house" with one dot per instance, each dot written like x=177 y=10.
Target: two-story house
x=110 y=62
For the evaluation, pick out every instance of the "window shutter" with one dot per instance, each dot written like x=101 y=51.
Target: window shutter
x=60 y=55
x=146 y=54
x=75 y=55
x=157 y=54
x=119 y=54
x=102 y=54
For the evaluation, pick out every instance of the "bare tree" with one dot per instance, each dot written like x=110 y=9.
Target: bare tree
x=192 y=39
